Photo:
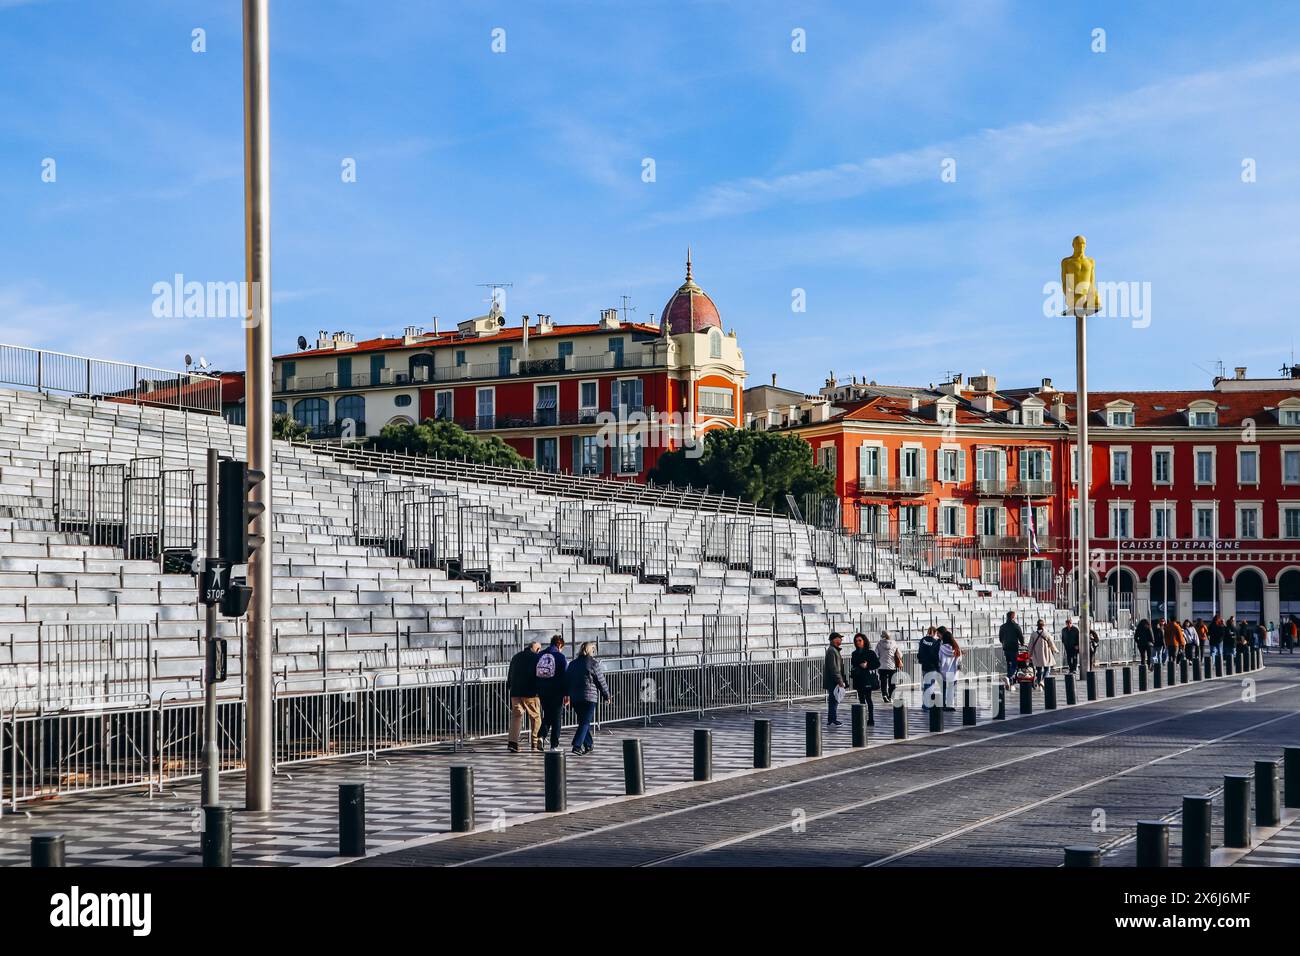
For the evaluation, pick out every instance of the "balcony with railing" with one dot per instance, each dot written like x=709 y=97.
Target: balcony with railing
x=876 y=485
x=1018 y=488
x=544 y=418
x=715 y=411
x=466 y=372
x=1016 y=542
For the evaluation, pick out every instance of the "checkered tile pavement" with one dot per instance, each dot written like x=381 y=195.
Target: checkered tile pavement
x=406 y=792
x=1281 y=849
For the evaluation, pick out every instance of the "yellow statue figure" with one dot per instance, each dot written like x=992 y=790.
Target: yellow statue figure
x=1078 y=281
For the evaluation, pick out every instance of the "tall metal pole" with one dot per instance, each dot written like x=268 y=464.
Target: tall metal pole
x=257 y=340
x=1085 y=478
x=211 y=758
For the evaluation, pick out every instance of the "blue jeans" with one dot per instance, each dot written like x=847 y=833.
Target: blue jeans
x=1011 y=665
x=586 y=711
x=832 y=706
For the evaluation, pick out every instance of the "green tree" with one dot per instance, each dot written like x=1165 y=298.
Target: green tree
x=762 y=467
x=287 y=428
x=444 y=439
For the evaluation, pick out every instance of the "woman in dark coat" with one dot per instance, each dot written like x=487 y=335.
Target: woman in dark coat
x=864 y=670
x=585 y=683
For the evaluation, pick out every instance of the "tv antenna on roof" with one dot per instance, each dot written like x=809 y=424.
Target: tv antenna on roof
x=497 y=299
x=627 y=308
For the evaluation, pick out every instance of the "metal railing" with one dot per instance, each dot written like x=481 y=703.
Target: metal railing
x=110 y=381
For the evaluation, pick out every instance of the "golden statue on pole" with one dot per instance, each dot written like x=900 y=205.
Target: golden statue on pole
x=1078 y=281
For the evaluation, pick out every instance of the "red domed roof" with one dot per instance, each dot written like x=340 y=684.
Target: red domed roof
x=690 y=309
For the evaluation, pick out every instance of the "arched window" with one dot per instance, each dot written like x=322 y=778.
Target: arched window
x=312 y=412
x=1249 y=593
x=1288 y=593
x=350 y=406
x=715 y=344
x=279 y=408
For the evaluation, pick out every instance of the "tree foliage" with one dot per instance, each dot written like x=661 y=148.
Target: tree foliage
x=286 y=428
x=444 y=439
x=758 y=466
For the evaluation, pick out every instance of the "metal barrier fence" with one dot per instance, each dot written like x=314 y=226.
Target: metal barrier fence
x=111 y=381
x=490 y=640
x=81 y=666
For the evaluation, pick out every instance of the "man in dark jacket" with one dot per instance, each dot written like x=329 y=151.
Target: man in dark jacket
x=833 y=678
x=550 y=688
x=927 y=658
x=1070 y=641
x=1010 y=637
x=1218 y=633
x=521 y=685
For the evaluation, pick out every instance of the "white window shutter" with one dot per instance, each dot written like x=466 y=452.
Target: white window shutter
x=1047 y=466
x=884 y=462
x=882 y=519
x=920 y=454
x=1002 y=465
x=961 y=520
x=961 y=464
x=979 y=465
x=924 y=522
x=862 y=462
x=938 y=465
x=1024 y=464
x=1002 y=522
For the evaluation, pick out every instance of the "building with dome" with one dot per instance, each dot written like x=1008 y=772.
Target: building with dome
x=601 y=398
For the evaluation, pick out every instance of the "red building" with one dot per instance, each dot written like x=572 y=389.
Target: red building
x=606 y=398
x=1195 y=494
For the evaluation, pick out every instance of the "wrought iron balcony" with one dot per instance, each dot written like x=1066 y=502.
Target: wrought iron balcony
x=874 y=484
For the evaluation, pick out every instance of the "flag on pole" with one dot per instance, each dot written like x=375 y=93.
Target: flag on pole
x=1033 y=535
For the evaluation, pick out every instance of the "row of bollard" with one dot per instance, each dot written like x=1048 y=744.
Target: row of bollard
x=48 y=850
x=1270 y=797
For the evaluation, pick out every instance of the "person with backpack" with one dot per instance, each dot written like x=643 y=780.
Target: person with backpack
x=864 y=666
x=1070 y=644
x=833 y=678
x=927 y=658
x=1011 y=637
x=1143 y=640
x=891 y=662
x=550 y=668
x=521 y=686
x=585 y=683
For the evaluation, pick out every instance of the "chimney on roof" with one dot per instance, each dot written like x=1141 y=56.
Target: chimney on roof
x=1240 y=371
x=913 y=402
x=609 y=318
x=1058 y=407
x=774 y=379
x=1047 y=385
x=983 y=402
x=984 y=383
x=544 y=324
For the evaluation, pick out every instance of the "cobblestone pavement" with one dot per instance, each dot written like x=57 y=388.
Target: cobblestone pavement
x=1009 y=793
x=1281 y=849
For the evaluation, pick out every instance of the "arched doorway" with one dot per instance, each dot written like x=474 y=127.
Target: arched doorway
x=1120 y=585
x=1288 y=593
x=1250 y=595
x=1164 y=594
x=1205 y=593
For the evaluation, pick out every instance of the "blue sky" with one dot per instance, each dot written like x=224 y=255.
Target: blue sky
x=817 y=171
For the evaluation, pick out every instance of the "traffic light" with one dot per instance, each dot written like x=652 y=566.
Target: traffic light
x=234 y=602
x=235 y=511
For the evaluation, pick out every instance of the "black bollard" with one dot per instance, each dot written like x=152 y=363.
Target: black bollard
x=1126 y=679
x=1259 y=658
x=633 y=767
x=1227 y=664
x=352 y=819
x=1091 y=680
x=1196 y=669
x=858 y=724
x=1026 y=698
x=215 y=841
x=1236 y=810
x=703 y=763
x=1182 y=671
x=1071 y=695
x=1268 y=802
x=1000 y=712
x=48 y=850
x=1170 y=677
x=1049 y=692
x=1142 y=677
x=969 y=713
x=1218 y=665
x=1082 y=856
x=1110 y=682
x=1156 y=680
x=1152 y=843
x=556 y=781
x=1291 y=777
x=900 y=719
x=1196 y=830
x=762 y=743
x=936 y=720
x=812 y=734
x=462 y=799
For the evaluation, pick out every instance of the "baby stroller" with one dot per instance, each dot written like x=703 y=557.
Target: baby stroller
x=1024 y=667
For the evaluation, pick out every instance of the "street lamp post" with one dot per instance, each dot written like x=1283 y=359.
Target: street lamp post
x=1078 y=283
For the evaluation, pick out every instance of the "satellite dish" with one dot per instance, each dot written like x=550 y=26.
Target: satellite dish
x=188 y=360
x=203 y=362
x=501 y=320
x=302 y=342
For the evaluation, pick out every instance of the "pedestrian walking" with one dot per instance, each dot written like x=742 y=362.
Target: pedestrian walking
x=1042 y=652
x=550 y=668
x=949 y=666
x=1070 y=644
x=1218 y=634
x=891 y=662
x=1143 y=640
x=1011 y=637
x=521 y=686
x=585 y=683
x=833 y=678
x=1290 y=634
x=864 y=666
x=927 y=658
